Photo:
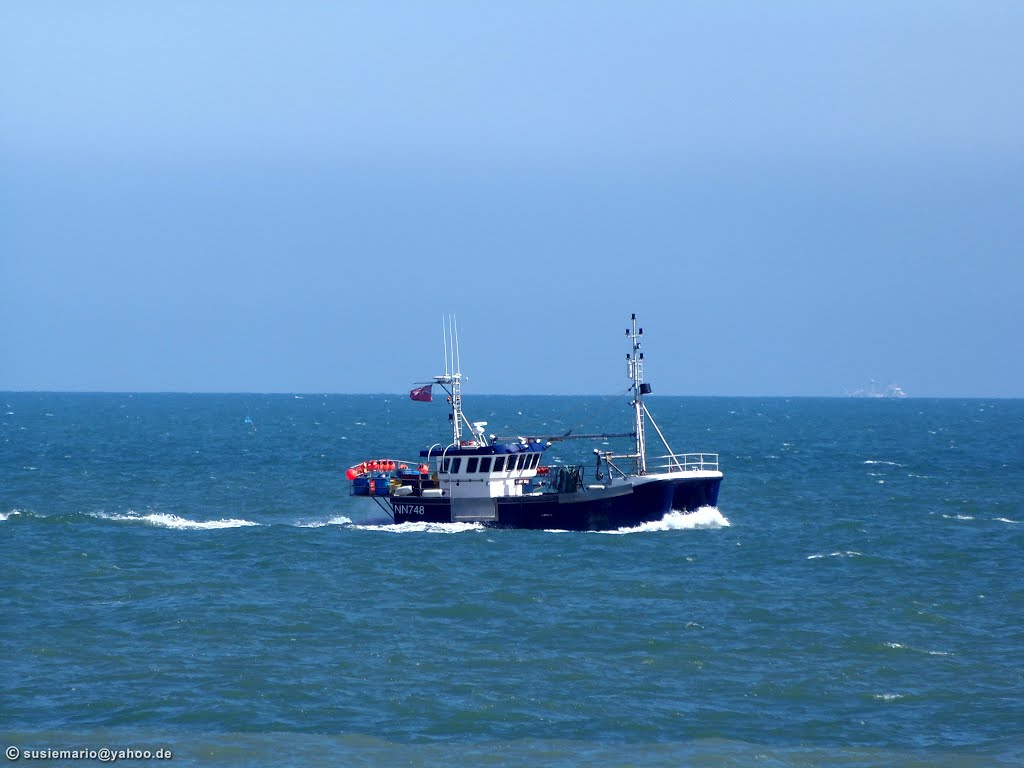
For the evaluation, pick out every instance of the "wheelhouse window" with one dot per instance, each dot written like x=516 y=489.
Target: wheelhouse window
x=456 y=463
x=471 y=464
x=485 y=464
x=499 y=463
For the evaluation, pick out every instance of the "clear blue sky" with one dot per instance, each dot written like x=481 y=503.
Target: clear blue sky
x=795 y=197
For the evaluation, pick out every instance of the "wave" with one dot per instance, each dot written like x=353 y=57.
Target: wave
x=705 y=517
x=5 y=515
x=1005 y=520
x=882 y=461
x=164 y=520
x=902 y=647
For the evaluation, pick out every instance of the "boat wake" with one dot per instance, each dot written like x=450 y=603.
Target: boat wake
x=422 y=527
x=703 y=518
x=164 y=520
x=337 y=520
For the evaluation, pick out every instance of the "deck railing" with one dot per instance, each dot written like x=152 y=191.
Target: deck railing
x=683 y=462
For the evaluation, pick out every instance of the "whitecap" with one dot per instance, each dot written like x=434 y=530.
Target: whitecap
x=165 y=520
x=847 y=553
x=881 y=461
x=705 y=517
x=1006 y=520
x=888 y=696
x=958 y=517
x=6 y=515
x=902 y=647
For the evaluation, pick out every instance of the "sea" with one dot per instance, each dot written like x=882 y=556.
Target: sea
x=187 y=575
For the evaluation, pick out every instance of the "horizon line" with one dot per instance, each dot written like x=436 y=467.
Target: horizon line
x=405 y=395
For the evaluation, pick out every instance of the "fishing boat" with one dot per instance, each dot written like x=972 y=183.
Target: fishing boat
x=504 y=482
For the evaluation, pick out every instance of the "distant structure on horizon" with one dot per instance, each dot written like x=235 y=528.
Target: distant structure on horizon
x=874 y=390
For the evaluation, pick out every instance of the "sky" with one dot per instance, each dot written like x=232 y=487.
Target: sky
x=796 y=198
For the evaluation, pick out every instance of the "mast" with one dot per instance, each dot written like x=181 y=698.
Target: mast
x=635 y=366
x=452 y=382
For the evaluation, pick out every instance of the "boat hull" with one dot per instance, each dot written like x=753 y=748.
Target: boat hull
x=619 y=506
x=691 y=493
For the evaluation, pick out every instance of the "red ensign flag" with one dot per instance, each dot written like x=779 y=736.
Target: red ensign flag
x=422 y=393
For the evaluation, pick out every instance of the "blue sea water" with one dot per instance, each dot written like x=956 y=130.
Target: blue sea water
x=188 y=573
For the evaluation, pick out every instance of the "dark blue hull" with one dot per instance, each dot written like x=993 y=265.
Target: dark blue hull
x=625 y=506
x=689 y=495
